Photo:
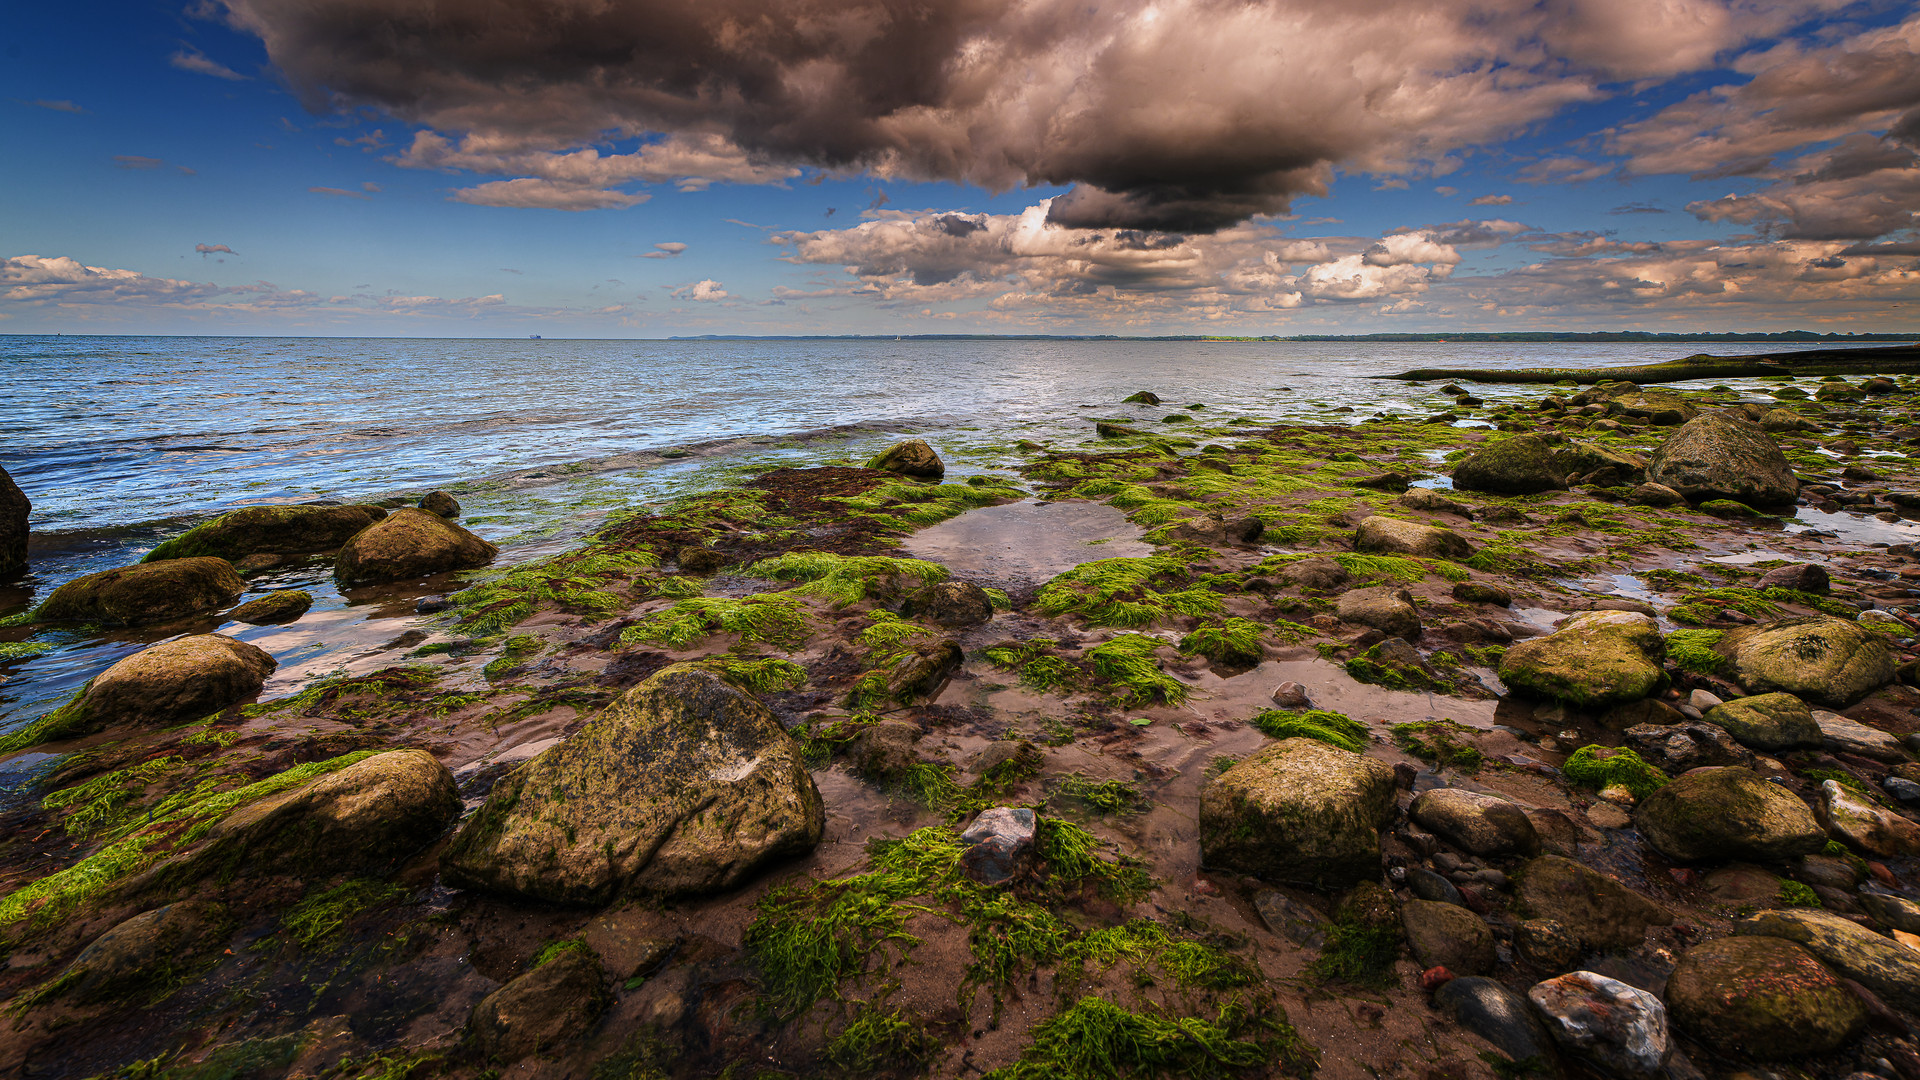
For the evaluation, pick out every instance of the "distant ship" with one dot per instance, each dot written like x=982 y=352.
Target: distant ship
x=533 y=337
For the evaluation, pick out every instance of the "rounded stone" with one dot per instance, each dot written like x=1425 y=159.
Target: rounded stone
x=440 y=503
x=1301 y=811
x=1521 y=465
x=148 y=593
x=910 y=458
x=1763 y=997
x=1768 y=722
x=550 y=1005
x=1445 y=935
x=269 y=530
x=1721 y=456
x=1593 y=660
x=283 y=606
x=1621 y=1028
x=1727 y=814
x=183 y=679
x=950 y=603
x=1482 y=824
x=143 y=953
x=409 y=543
x=1386 y=608
x=1824 y=660
x=1393 y=536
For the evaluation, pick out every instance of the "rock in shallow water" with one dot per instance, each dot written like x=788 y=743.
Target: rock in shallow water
x=1449 y=936
x=183 y=679
x=1764 y=997
x=1521 y=465
x=999 y=845
x=1618 y=1027
x=269 y=530
x=440 y=503
x=910 y=458
x=15 y=508
x=1298 y=810
x=683 y=785
x=409 y=543
x=283 y=606
x=555 y=1002
x=1481 y=824
x=1853 y=820
x=1385 y=608
x=951 y=604
x=148 y=593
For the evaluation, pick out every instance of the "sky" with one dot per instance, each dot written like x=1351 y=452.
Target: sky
x=649 y=168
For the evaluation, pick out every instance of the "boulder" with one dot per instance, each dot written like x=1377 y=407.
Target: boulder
x=1482 y=824
x=145 y=953
x=183 y=679
x=1853 y=820
x=1801 y=577
x=1779 y=420
x=1728 y=813
x=1767 y=722
x=1593 y=660
x=1821 y=659
x=910 y=458
x=683 y=785
x=1392 y=536
x=950 y=603
x=440 y=503
x=366 y=816
x=409 y=543
x=148 y=593
x=1584 y=459
x=283 y=606
x=1843 y=736
x=1298 y=810
x=1721 y=456
x=1428 y=885
x=14 y=510
x=885 y=750
x=1655 y=495
x=1142 y=397
x=1499 y=1016
x=1387 y=608
x=1762 y=997
x=912 y=677
x=269 y=530
x=1894 y=912
x=1428 y=501
x=1521 y=465
x=1317 y=575
x=1546 y=943
x=1448 y=936
x=1618 y=1027
x=998 y=845
x=1218 y=530
x=555 y=1002
x=1596 y=910
x=1882 y=965
x=1675 y=748
x=1479 y=592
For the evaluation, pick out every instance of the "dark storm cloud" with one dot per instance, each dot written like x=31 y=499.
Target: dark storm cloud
x=1173 y=115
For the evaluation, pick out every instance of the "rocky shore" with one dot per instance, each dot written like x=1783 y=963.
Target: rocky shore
x=1541 y=739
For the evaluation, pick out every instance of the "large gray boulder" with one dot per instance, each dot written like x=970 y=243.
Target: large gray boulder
x=1593 y=660
x=1721 y=456
x=1300 y=811
x=684 y=785
x=1818 y=658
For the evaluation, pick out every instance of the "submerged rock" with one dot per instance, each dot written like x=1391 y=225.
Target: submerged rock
x=550 y=1005
x=683 y=785
x=1393 y=536
x=1769 y=722
x=15 y=507
x=1301 y=811
x=910 y=458
x=999 y=844
x=440 y=503
x=1521 y=465
x=1880 y=964
x=1593 y=660
x=1720 y=456
x=1816 y=657
x=144 y=954
x=283 y=606
x=1596 y=910
x=1386 y=608
x=269 y=530
x=1481 y=824
x=912 y=677
x=1619 y=1027
x=1143 y=397
x=148 y=593
x=183 y=679
x=1728 y=813
x=410 y=543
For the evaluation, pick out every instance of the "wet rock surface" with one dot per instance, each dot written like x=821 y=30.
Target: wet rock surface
x=144 y=594
x=1728 y=813
x=14 y=510
x=1300 y=811
x=1765 y=997
x=409 y=543
x=1618 y=1027
x=1593 y=660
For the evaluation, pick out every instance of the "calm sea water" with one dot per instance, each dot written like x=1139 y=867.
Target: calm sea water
x=121 y=441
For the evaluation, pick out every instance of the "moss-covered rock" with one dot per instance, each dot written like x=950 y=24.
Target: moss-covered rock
x=282 y=606
x=1394 y=536
x=1778 y=420
x=441 y=504
x=1521 y=465
x=143 y=957
x=950 y=603
x=148 y=593
x=409 y=543
x=1584 y=459
x=1593 y=660
x=1723 y=456
x=368 y=815
x=1595 y=909
x=1882 y=965
x=1769 y=722
x=1448 y=936
x=1816 y=657
x=557 y=1001
x=1386 y=608
x=182 y=679
x=269 y=530
x=1853 y=819
x=1727 y=814
x=14 y=510
x=1482 y=824
x=1299 y=810
x=910 y=458
x=1763 y=997
x=683 y=785
x=910 y=677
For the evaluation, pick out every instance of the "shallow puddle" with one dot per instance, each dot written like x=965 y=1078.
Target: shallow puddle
x=1028 y=542
x=1330 y=687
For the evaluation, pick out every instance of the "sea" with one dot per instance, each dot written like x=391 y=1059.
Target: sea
x=122 y=441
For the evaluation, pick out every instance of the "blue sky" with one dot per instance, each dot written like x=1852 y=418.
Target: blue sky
x=1145 y=166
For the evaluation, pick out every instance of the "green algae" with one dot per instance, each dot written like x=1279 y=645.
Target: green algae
x=324 y=913
x=1438 y=741
x=1127 y=664
x=579 y=582
x=104 y=804
x=844 y=579
x=1105 y=797
x=1234 y=642
x=1120 y=593
x=775 y=618
x=1098 y=1040
x=879 y=1039
x=1692 y=650
x=1332 y=728
x=1586 y=768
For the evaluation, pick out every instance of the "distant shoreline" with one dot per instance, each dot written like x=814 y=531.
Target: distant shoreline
x=1515 y=337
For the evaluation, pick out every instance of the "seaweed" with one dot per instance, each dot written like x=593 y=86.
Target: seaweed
x=1332 y=728
x=1692 y=650
x=322 y=914
x=1098 y=1040
x=844 y=579
x=1234 y=642
x=1116 y=592
x=1438 y=741
x=1127 y=663
x=763 y=617
x=1586 y=768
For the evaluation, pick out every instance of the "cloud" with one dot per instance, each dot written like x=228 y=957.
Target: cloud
x=1639 y=208
x=57 y=106
x=708 y=291
x=193 y=60
x=528 y=193
x=1861 y=188
x=338 y=193
x=137 y=161
x=1181 y=115
x=667 y=250
x=1563 y=169
x=209 y=249
x=1492 y=200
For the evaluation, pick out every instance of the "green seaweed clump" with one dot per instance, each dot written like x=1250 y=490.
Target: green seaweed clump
x=1127 y=663
x=1102 y=796
x=1692 y=650
x=21 y=650
x=877 y=1039
x=554 y=950
x=1038 y=668
x=1374 y=668
x=104 y=804
x=1098 y=1040
x=1438 y=741
x=773 y=618
x=576 y=581
x=845 y=579
x=1117 y=592
x=322 y=914
x=755 y=674
x=519 y=649
x=1234 y=642
x=1796 y=894
x=1332 y=728
x=1620 y=767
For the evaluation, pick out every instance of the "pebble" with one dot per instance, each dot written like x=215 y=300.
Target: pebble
x=1901 y=788
x=1428 y=885
x=1292 y=695
x=1704 y=700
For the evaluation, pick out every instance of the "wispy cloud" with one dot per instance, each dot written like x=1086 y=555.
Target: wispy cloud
x=530 y=194
x=137 y=161
x=57 y=106
x=339 y=193
x=200 y=64
x=1492 y=200
x=667 y=250
x=209 y=249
